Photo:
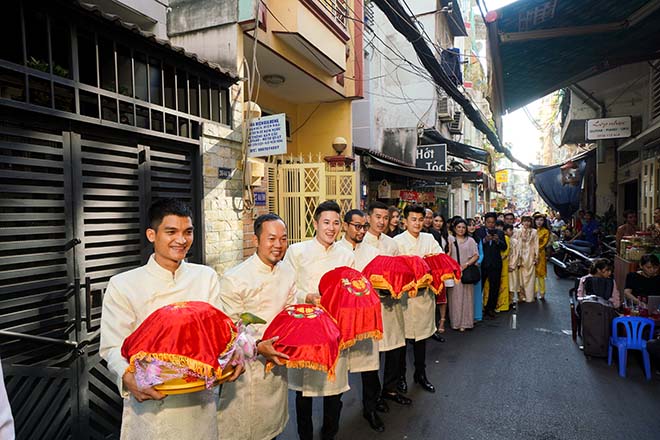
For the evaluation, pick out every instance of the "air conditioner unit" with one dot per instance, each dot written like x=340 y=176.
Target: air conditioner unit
x=445 y=108
x=456 y=125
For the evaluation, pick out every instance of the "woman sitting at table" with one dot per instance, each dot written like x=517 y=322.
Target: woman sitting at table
x=601 y=269
x=645 y=282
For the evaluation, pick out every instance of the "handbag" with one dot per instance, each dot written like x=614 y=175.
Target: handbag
x=471 y=274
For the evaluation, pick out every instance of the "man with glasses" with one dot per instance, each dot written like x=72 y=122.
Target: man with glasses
x=363 y=357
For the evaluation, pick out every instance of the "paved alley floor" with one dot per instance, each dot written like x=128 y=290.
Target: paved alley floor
x=500 y=382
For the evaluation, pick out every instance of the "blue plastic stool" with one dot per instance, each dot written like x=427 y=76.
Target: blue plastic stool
x=633 y=340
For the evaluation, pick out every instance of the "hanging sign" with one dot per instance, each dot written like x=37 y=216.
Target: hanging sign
x=259 y=198
x=442 y=192
x=456 y=183
x=432 y=157
x=502 y=176
x=609 y=128
x=384 y=190
x=267 y=136
x=409 y=196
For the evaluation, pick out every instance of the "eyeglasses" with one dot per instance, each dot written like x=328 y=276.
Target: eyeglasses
x=358 y=226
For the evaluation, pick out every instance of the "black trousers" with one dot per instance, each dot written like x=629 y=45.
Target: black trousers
x=370 y=390
x=392 y=371
x=331 y=413
x=653 y=347
x=419 y=356
x=493 y=274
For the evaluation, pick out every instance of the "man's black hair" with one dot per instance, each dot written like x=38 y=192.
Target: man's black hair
x=490 y=215
x=376 y=205
x=507 y=226
x=259 y=222
x=628 y=212
x=499 y=223
x=649 y=258
x=164 y=207
x=348 y=217
x=328 y=205
x=506 y=214
x=416 y=208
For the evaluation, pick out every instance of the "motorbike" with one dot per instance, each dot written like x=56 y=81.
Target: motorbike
x=573 y=260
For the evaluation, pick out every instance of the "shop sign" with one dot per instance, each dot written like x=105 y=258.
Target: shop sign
x=384 y=190
x=609 y=128
x=456 y=183
x=432 y=157
x=409 y=196
x=427 y=197
x=502 y=176
x=267 y=136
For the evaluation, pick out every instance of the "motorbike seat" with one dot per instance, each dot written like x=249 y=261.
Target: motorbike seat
x=581 y=249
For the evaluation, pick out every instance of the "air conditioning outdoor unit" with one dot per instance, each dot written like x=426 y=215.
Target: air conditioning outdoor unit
x=456 y=125
x=445 y=108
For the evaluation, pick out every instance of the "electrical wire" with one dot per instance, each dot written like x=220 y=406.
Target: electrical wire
x=306 y=120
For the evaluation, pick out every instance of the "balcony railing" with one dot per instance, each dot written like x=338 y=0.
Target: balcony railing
x=337 y=9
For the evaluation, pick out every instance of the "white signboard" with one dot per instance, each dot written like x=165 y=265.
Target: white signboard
x=267 y=136
x=609 y=128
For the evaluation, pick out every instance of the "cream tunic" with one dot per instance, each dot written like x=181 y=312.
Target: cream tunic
x=310 y=261
x=6 y=419
x=514 y=261
x=254 y=287
x=418 y=312
x=364 y=355
x=393 y=324
x=129 y=299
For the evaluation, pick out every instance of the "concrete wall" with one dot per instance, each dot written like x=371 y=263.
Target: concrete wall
x=149 y=15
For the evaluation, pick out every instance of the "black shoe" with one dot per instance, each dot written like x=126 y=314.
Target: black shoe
x=491 y=313
x=381 y=406
x=374 y=421
x=402 y=386
x=396 y=397
x=438 y=337
x=424 y=382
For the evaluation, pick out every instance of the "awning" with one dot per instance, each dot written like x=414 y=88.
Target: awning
x=539 y=46
x=456 y=149
x=372 y=161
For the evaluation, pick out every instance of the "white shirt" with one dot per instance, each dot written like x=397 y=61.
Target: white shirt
x=418 y=312
x=311 y=260
x=385 y=244
x=6 y=419
x=393 y=323
x=363 y=252
x=255 y=287
x=364 y=355
x=129 y=299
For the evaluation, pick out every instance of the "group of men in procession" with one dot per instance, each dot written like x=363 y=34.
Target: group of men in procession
x=253 y=405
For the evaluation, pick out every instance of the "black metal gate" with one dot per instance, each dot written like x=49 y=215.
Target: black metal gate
x=73 y=209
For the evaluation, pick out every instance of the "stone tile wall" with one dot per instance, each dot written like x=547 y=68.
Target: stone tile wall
x=223 y=198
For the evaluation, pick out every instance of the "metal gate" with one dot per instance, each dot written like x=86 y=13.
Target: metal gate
x=73 y=212
x=302 y=186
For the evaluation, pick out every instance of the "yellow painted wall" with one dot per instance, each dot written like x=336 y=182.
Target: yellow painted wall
x=329 y=121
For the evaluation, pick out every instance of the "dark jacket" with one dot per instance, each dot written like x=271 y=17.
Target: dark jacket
x=492 y=249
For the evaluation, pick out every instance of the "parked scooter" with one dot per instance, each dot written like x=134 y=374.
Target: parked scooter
x=570 y=260
x=573 y=260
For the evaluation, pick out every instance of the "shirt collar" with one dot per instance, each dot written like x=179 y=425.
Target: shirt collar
x=160 y=272
x=319 y=246
x=263 y=267
x=377 y=238
x=349 y=245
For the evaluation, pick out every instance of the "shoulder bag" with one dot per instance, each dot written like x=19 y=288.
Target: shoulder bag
x=471 y=274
